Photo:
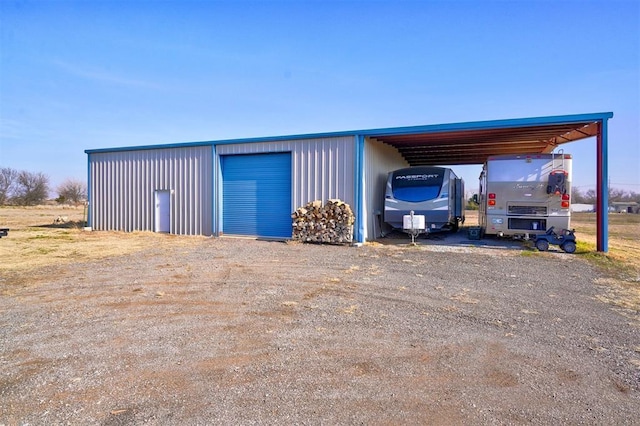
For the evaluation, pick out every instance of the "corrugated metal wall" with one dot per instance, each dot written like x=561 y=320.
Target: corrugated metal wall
x=322 y=168
x=122 y=185
x=380 y=159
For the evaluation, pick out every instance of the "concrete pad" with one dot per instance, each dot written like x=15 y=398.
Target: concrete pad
x=458 y=239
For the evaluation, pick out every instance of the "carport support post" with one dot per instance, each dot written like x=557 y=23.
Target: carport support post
x=359 y=191
x=602 y=205
x=216 y=190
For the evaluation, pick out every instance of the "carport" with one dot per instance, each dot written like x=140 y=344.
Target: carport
x=472 y=142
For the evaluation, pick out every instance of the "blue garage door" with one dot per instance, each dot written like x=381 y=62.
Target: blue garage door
x=256 y=195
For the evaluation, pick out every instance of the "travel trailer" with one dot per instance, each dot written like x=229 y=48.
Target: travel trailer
x=433 y=192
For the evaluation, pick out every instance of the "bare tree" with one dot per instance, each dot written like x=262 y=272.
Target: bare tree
x=577 y=196
x=590 y=197
x=8 y=178
x=614 y=194
x=72 y=191
x=31 y=188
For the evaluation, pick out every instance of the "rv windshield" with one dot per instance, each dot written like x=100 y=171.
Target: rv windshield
x=417 y=186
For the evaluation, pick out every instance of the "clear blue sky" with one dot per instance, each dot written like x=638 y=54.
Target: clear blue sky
x=78 y=75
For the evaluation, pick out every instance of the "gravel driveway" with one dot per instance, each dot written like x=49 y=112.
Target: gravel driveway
x=232 y=331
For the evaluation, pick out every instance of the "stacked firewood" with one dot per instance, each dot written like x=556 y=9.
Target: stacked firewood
x=331 y=223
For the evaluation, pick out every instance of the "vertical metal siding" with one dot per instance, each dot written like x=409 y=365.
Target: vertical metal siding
x=123 y=185
x=380 y=159
x=321 y=168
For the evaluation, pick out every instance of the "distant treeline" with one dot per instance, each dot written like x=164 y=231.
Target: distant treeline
x=615 y=195
x=24 y=188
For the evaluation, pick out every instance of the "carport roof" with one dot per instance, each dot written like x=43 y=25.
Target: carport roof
x=473 y=142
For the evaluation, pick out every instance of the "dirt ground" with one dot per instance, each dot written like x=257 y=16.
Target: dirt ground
x=157 y=329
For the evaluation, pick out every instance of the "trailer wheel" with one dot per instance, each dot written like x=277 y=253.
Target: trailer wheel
x=542 y=244
x=569 y=247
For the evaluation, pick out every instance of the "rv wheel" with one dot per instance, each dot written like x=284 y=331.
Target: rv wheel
x=542 y=245
x=569 y=247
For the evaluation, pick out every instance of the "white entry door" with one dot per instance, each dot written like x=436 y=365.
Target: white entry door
x=163 y=211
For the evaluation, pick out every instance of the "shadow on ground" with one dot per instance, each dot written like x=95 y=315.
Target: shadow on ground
x=73 y=224
x=453 y=239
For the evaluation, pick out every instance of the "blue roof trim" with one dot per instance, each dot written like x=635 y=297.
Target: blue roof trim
x=147 y=147
x=432 y=128
x=493 y=124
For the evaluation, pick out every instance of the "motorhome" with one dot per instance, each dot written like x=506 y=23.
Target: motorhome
x=433 y=192
x=524 y=195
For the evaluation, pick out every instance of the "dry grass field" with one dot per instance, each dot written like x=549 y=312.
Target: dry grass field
x=36 y=241
x=621 y=263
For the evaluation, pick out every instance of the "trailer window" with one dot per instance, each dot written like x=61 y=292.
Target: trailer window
x=415 y=187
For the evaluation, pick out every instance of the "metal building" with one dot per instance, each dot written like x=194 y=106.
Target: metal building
x=251 y=186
